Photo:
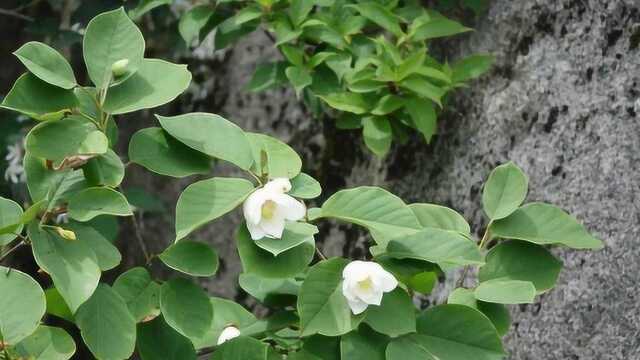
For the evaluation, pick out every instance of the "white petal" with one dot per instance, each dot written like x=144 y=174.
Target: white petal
x=356 y=270
x=372 y=297
x=256 y=231
x=273 y=227
x=357 y=307
x=291 y=208
x=386 y=280
x=228 y=333
x=280 y=185
x=347 y=291
x=252 y=207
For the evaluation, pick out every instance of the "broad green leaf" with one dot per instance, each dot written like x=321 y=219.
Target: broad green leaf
x=363 y=344
x=471 y=67
x=186 y=307
x=285 y=32
x=140 y=293
x=304 y=186
x=340 y=64
x=318 y=347
x=110 y=37
x=10 y=214
x=504 y=191
x=106 y=325
x=380 y=15
x=156 y=83
x=436 y=246
x=438 y=27
x=38 y=99
x=519 y=260
x=194 y=20
x=47 y=64
x=410 y=347
x=107 y=254
x=157 y=340
x=228 y=32
x=377 y=134
x=57 y=140
x=65 y=186
x=227 y=313
x=299 y=77
x=388 y=104
x=72 y=265
x=22 y=305
x=56 y=305
x=267 y=76
x=212 y=135
x=95 y=201
x=191 y=257
x=141 y=200
x=295 y=233
x=207 y=200
x=144 y=6
x=544 y=224
x=385 y=215
x=497 y=313
x=395 y=316
x=423 y=88
x=87 y=101
x=271 y=292
x=506 y=291
x=242 y=348
x=458 y=332
x=273 y=157
x=423 y=282
x=347 y=101
x=299 y=10
x=261 y=262
x=440 y=217
x=47 y=343
x=106 y=169
x=322 y=307
x=423 y=115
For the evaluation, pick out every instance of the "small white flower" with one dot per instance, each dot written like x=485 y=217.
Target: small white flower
x=267 y=209
x=15 y=169
x=228 y=333
x=364 y=284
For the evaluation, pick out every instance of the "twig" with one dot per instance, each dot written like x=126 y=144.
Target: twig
x=465 y=272
x=8 y=252
x=266 y=32
x=138 y=233
x=320 y=254
x=16 y=15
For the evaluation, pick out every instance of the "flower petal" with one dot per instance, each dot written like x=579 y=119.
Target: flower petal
x=291 y=208
x=255 y=230
x=279 y=185
x=357 y=307
x=386 y=280
x=356 y=270
x=252 y=207
x=273 y=227
x=228 y=333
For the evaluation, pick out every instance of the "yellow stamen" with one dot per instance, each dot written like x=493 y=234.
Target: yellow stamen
x=365 y=284
x=268 y=209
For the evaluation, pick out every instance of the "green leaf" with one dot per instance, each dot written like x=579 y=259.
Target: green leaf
x=140 y=293
x=92 y=202
x=506 y=291
x=299 y=77
x=281 y=159
x=471 y=67
x=304 y=186
x=436 y=246
x=271 y=292
x=194 y=20
x=212 y=135
x=267 y=76
x=395 y=316
x=207 y=200
x=347 y=101
x=106 y=169
x=156 y=83
x=504 y=191
x=385 y=215
x=47 y=64
x=157 y=340
x=57 y=140
x=144 y=6
x=263 y=263
x=423 y=88
x=38 y=99
x=363 y=344
x=377 y=134
x=106 y=325
x=440 y=217
x=299 y=10
x=10 y=214
x=241 y=348
x=154 y=149
x=56 y=305
x=424 y=117
x=544 y=224
x=107 y=254
x=340 y=64
x=47 y=343
x=141 y=200
x=229 y=31
x=191 y=257
x=497 y=313
x=295 y=233
x=226 y=313
x=388 y=104
x=519 y=260
x=186 y=307
x=381 y=16
x=110 y=37
x=22 y=305
x=423 y=282
x=411 y=347
x=438 y=27
x=458 y=332
x=72 y=265
x=322 y=307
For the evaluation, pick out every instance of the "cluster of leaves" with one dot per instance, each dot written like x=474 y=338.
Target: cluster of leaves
x=366 y=62
x=72 y=169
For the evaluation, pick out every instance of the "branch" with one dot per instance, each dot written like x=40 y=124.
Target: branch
x=16 y=15
x=8 y=252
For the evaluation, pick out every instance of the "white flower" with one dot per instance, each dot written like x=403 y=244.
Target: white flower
x=15 y=169
x=267 y=209
x=364 y=284
x=228 y=333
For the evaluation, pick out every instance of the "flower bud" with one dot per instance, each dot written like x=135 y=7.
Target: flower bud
x=228 y=333
x=65 y=234
x=119 y=67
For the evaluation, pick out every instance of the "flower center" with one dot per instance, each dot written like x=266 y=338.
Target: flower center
x=268 y=209
x=366 y=284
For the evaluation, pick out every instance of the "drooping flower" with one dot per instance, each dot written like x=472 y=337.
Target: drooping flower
x=230 y=332
x=267 y=209
x=364 y=283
